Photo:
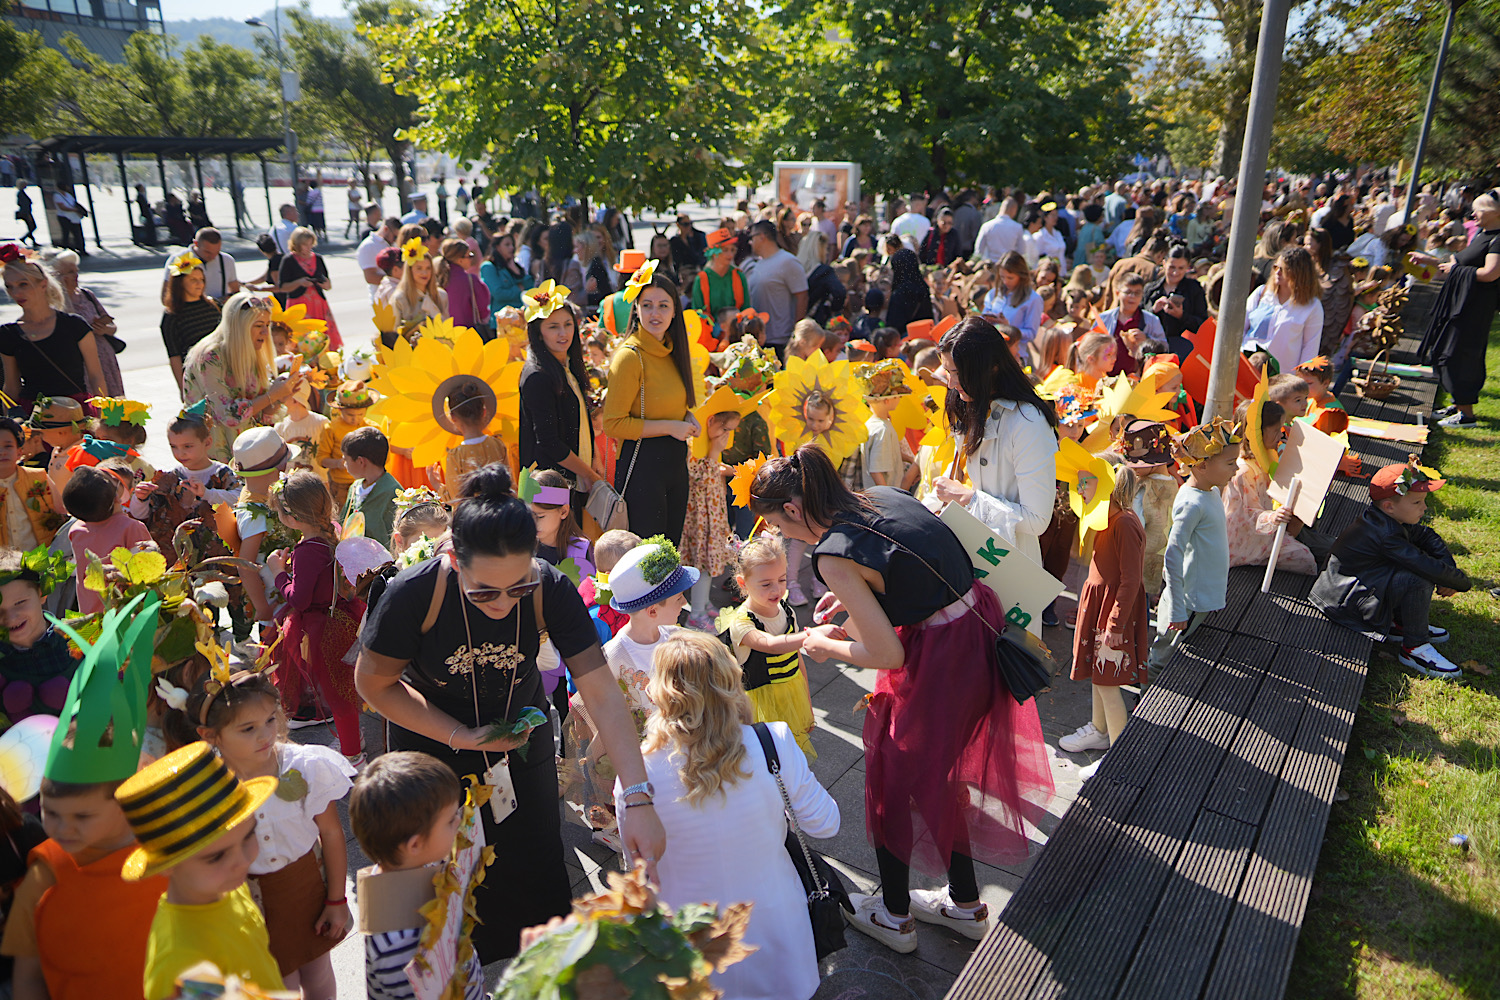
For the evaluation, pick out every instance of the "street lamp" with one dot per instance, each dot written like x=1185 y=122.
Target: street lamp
x=1415 y=180
x=289 y=92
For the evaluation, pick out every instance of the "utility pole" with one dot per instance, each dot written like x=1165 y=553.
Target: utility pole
x=1414 y=181
x=291 y=90
x=1247 y=195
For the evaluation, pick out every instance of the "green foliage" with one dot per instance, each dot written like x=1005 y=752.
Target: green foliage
x=929 y=92
x=31 y=80
x=657 y=566
x=643 y=106
x=1465 y=139
x=209 y=89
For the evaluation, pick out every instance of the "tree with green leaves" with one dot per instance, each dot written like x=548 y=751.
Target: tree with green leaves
x=926 y=93
x=31 y=80
x=640 y=105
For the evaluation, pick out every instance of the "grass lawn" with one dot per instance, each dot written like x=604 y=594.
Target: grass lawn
x=1396 y=912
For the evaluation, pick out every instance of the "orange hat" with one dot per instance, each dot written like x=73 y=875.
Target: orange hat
x=919 y=328
x=630 y=261
x=1399 y=480
x=943 y=326
x=720 y=239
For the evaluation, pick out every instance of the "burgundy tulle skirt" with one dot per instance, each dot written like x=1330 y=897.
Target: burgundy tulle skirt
x=951 y=761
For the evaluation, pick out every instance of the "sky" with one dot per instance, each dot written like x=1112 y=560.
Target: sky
x=184 y=10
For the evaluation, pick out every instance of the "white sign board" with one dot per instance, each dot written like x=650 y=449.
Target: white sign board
x=1024 y=588
x=1312 y=457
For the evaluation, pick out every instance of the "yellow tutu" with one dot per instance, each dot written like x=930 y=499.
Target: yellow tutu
x=788 y=701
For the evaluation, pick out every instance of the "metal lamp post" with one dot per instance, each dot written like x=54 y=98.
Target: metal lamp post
x=290 y=91
x=1415 y=180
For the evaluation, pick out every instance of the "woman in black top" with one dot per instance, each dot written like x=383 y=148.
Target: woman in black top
x=555 y=429
x=911 y=299
x=949 y=755
x=1179 y=320
x=46 y=352
x=451 y=649
x=189 y=317
x=1340 y=221
x=1461 y=318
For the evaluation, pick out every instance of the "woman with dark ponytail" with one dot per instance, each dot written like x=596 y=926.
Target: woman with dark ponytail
x=450 y=650
x=950 y=758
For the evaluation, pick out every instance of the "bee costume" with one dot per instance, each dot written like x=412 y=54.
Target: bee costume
x=775 y=682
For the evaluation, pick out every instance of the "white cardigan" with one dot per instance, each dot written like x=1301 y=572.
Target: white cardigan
x=1014 y=475
x=731 y=848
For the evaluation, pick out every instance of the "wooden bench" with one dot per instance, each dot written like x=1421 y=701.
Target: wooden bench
x=1183 y=869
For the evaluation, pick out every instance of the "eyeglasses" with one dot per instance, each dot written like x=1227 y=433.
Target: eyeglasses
x=489 y=595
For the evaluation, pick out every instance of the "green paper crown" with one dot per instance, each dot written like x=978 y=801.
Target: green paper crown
x=198 y=411
x=43 y=567
x=99 y=732
x=659 y=565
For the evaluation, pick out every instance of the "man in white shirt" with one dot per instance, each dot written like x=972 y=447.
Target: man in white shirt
x=382 y=235
x=283 y=232
x=1383 y=212
x=1000 y=235
x=778 y=285
x=418 y=213
x=70 y=216
x=220 y=279
x=913 y=222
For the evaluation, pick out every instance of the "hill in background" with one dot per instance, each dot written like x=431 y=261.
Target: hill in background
x=228 y=30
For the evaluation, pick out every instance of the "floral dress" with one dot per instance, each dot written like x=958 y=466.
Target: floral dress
x=705 y=531
x=229 y=404
x=1250 y=515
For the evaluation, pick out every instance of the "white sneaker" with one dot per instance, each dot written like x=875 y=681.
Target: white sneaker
x=936 y=906
x=1427 y=661
x=1085 y=773
x=1085 y=737
x=864 y=920
x=609 y=839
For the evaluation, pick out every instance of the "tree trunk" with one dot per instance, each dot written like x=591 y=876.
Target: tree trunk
x=1242 y=33
x=396 y=152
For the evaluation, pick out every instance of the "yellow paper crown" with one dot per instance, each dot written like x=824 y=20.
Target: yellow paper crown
x=545 y=299
x=114 y=411
x=1205 y=441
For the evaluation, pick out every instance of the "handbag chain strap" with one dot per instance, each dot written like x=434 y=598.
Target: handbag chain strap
x=924 y=562
x=641 y=362
x=773 y=762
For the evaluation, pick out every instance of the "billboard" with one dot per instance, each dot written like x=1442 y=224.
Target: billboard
x=799 y=184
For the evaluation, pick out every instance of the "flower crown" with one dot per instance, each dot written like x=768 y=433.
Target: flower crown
x=415 y=497
x=639 y=280
x=545 y=299
x=1074 y=404
x=185 y=265
x=1205 y=441
x=413 y=250
x=12 y=252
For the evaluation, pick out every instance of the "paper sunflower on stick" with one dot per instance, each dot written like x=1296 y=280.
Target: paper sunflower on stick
x=834 y=382
x=414 y=383
x=1090 y=481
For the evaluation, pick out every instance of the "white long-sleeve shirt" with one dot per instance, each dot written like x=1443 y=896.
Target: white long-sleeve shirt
x=1014 y=475
x=998 y=237
x=1293 y=333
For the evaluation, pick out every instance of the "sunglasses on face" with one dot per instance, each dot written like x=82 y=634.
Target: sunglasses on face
x=489 y=595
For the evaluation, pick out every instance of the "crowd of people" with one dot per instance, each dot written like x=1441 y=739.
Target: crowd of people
x=484 y=518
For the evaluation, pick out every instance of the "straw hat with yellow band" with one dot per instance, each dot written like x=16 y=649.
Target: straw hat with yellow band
x=99 y=733
x=56 y=412
x=181 y=804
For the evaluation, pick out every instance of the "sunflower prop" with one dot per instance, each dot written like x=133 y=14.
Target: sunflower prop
x=439 y=328
x=413 y=250
x=414 y=383
x=544 y=300
x=184 y=265
x=939 y=437
x=1090 y=481
x=385 y=317
x=1254 y=434
x=298 y=326
x=114 y=411
x=639 y=280
x=787 y=415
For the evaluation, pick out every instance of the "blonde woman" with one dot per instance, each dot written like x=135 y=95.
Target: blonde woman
x=233 y=368
x=304 y=279
x=47 y=352
x=84 y=304
x=724 y=816
x=457 y=271
x=418 y=296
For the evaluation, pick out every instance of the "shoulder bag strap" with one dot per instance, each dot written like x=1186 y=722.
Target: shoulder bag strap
x=536 y=602
x=924 y=562
x=773 y=762
x=641 y=362
x=439 y=591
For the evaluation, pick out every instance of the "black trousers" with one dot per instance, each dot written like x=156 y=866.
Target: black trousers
x=657 y=493
x=895 y=880
x=1411 y=602
x=1460 y=359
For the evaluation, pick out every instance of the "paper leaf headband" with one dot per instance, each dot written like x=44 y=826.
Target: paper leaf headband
x=231 y=666
x=41 y=567
x=545 y=299
x=413 y=250
x=532 y=491
x=415 y=497
x=114 y=411
x=639 y=280
x=882 y=379
x=1318 y=367
x=1205 y=441
x=1413 y=476
x=186 y=264
x=744 y=475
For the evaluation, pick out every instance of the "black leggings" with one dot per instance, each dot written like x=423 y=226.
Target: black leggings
x=895 y=880
x=657 y=495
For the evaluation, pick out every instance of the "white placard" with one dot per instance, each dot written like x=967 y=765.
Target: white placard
x=1311 y=457
x=1024 y=588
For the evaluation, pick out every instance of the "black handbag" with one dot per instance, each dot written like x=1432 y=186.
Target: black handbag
x=1025 y=662
x=827 y=897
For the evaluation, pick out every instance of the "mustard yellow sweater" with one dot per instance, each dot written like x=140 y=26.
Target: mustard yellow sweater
x=666 y=397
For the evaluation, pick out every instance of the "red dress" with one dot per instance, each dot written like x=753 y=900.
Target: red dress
x=952 y=763
x=294 y=266
x=1112 y=605
x=316 y=634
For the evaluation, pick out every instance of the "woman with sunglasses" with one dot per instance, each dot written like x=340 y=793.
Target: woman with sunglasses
x=1459 y=332
x=468 y=296
x=450 y=650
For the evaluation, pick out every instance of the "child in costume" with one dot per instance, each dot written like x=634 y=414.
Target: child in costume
x=421 y=519
x=1147 y=449
x=1386 y=566
x=817 y=418
x=123 y=422
x=236 y=711
x=1111 y=643
x=302 y=427
x=559 y=543
x=765 y=638
x=405 y=810
x=706 y=536
x=1318 y=374
x=28 y=517
x=471 y=407
x=608 y=550
x=94 y=497
x=352 y=400
x=879 y=461
x=649 y=584
x=1252 y=518
x=207 y=914
x=259 y=457
x=373 y=493
x=35 y=665
x=78 y=927
x=317 y=625
x=58 y=422
x=1195 y=576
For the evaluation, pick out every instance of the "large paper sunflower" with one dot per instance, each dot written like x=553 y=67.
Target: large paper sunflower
x=414 y=382
x=1090 y=481
x=1115 y=395
x=295 y=319
x=1254 y=435
x=440 y=328
x=833 y=380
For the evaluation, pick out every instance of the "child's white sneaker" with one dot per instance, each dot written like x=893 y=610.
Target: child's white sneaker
x=1085 y=737
x=1085 y=773
x=1426 y=660
x=936 y=906
x=1436 y=634
x=609 y=839
x=871 y=917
